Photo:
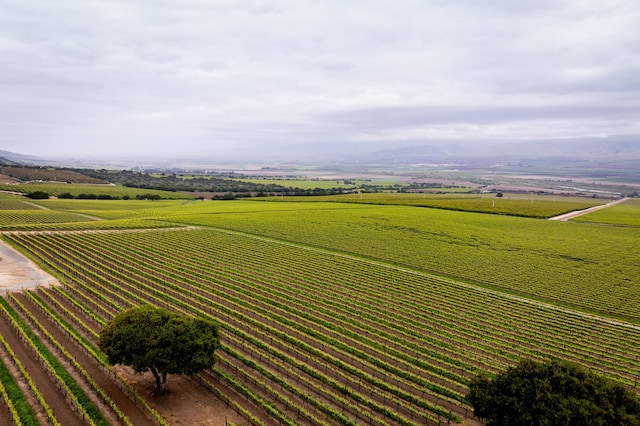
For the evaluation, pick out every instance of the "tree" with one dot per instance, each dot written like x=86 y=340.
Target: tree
x=154 y=339
x=552 y=393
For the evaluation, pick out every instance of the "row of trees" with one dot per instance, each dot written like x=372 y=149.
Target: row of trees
x=177 y=183
x=41 y=195
x=68 y=195
x=226 y=184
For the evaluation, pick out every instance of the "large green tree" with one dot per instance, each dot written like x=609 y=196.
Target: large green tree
x=552 y=393
x=157 y=340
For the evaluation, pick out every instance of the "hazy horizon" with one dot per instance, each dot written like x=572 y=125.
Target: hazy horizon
x=261 y=78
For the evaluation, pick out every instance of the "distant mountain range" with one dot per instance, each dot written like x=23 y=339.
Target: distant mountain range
x=623 y=148
x=613 y=149
x=11 y=158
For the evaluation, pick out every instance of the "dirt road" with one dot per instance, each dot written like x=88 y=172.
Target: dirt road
x=571 y=215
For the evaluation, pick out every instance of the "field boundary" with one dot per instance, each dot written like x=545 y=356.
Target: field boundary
x=566 y=216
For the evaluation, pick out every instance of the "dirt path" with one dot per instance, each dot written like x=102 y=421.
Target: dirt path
x=37 y=206
x=17 y=271
x=571 y=215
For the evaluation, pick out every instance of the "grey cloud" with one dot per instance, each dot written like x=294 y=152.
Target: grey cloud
x=142 y=75
x=442 y=114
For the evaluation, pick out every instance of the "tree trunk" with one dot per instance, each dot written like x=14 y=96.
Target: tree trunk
x=161 y=382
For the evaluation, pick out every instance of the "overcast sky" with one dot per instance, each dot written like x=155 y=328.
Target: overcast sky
x=209 y=77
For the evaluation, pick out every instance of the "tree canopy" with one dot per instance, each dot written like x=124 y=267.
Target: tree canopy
x=157 y=340
x=552 y=393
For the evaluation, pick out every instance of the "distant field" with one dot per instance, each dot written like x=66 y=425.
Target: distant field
x=113 y=209
x=540 y=206
x=48 y=175
x=627 y=213
x=326 y=183
x=53 y=214
x=55 y=189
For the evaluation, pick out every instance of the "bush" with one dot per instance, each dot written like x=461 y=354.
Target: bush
x=552 y=393
x=38 y=195
x=87 y=197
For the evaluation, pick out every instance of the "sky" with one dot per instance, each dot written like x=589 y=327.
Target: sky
x=216 y=78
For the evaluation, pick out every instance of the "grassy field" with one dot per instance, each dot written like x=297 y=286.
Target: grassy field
x=338 y=312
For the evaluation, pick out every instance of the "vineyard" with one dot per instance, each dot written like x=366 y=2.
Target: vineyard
x=77 y=189
x=627 y=214
x=330 y=313
x=538 y=206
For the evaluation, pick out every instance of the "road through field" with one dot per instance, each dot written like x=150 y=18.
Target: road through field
x=571 y=215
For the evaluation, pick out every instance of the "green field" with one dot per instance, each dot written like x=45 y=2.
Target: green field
x=304 y=183
x=55 y=189
x=540 y=206
x=627 y=213
x=348 y=313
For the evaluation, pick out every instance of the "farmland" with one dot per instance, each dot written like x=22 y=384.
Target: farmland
x=627 y=214
x=527 y=205
x=330 y=313
x=77 y=189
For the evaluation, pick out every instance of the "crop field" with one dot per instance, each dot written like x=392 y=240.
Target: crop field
x=538 y=206
x=627 y=213
x=585 y=267
x=17 y=218
x=304 y=183
x=15 y=204
x=330 y=313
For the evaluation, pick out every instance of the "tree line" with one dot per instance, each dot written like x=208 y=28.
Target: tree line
x=221 y=184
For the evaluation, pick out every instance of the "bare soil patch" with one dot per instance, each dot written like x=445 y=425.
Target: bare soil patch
x=188 y=402
x=17 y=271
